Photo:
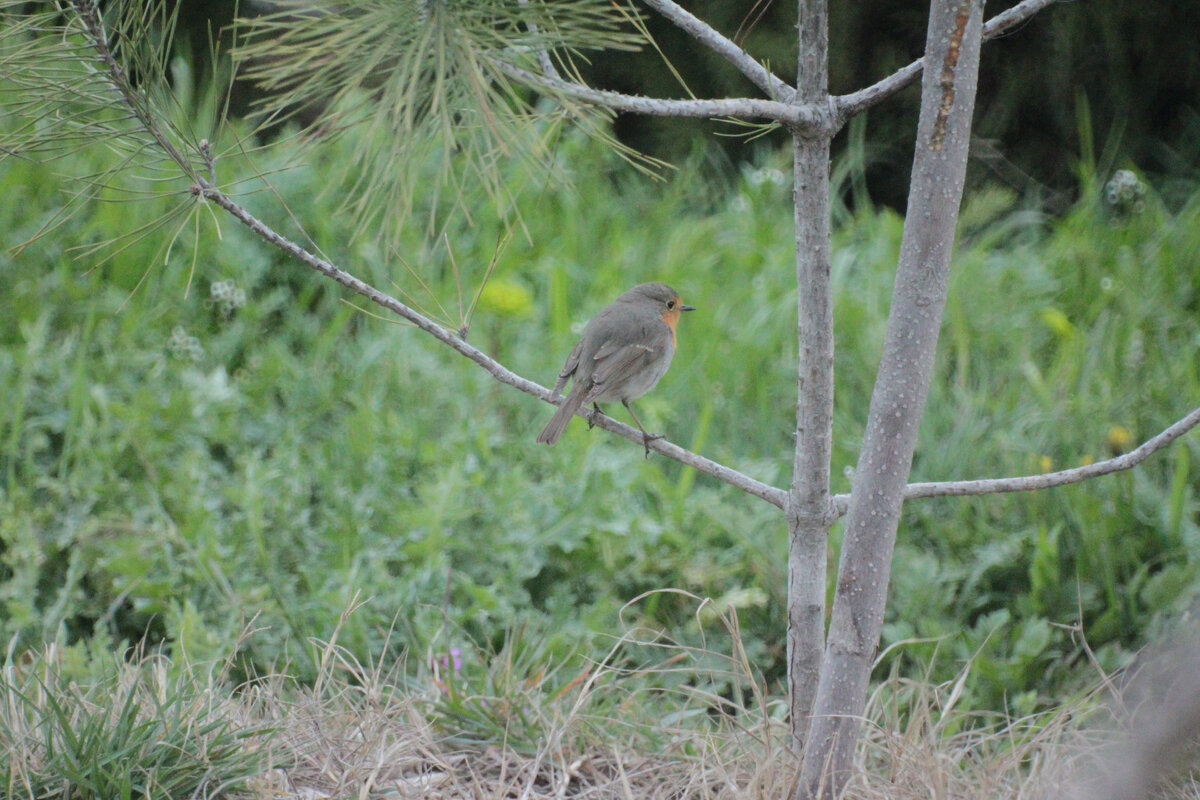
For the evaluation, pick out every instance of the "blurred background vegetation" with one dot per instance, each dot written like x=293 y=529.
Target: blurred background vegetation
x=188 y=448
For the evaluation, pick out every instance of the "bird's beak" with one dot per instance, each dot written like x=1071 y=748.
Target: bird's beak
x=687 y=308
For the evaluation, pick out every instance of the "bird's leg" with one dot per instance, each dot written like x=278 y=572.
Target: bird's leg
x=599 y=410
x=647 y=438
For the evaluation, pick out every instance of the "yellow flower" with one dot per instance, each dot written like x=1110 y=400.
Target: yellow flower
x=1046 y=463
x=506 y=298
x=1119 y=439
x=1057 y=321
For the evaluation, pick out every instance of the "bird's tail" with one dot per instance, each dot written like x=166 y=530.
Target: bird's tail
x=558 y=423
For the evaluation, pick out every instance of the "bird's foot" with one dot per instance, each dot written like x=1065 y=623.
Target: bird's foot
x=599 y=410
x=647 y=438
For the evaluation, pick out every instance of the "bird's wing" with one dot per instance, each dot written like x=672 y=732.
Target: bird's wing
x=620 y=358
x=568 y=368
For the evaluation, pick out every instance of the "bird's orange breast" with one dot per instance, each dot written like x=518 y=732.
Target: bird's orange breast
x=671 y=317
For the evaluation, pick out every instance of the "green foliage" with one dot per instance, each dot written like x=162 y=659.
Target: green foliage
x=196 y=439
x=515 y=695
x=644 y=691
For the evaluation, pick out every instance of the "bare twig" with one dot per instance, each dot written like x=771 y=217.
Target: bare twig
x=544 y=60
x=810 y=119
x=771 y=494
x=1048 y=480
x=702 y=32
x=1005 y=21
x=848 y=105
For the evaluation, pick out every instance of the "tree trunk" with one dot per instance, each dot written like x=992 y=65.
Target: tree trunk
x=939 y=169
x=810 y=509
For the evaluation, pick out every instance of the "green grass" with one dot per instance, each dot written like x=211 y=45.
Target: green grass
x=109 y=729
x=171 y=469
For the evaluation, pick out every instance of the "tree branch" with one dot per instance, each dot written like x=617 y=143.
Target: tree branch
x=1050 y=479
x=808 y=118
x=708 y=36
x=776 y=497
x=544 y=60
x=847 y=105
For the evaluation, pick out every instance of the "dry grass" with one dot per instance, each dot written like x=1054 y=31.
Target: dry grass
x=360 y=734
x=371 y=740
x=369 y=732
x=363 y=733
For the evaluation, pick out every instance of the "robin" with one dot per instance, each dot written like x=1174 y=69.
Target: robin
x=624 y=351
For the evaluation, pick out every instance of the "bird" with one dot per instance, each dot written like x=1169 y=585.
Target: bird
x=624 y=351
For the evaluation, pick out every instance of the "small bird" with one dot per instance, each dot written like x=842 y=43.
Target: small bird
x=624 y=351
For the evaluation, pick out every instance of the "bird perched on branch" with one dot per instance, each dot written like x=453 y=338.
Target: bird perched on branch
x=625 y=350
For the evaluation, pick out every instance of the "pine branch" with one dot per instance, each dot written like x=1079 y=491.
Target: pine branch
x=808 y=118
x=544 y=60
x=89 y=14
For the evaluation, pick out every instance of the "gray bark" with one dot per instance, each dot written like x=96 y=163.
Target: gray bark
x=810 y=509
x=939 y=169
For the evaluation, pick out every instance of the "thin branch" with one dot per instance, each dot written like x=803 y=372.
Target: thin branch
x=771 y=494
x=708 y=36
x=1005 y=21
x=544 y=60
x=806 y=117
x=848 y=105
x=89 y=13
x=1050 y=479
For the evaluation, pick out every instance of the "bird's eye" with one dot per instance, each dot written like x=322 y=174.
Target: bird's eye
x=670 y=304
